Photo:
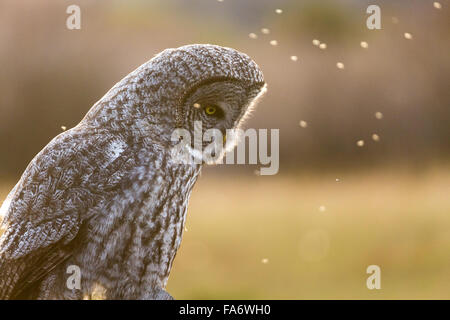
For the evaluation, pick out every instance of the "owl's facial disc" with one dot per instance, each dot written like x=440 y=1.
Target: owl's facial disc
x=221 y=105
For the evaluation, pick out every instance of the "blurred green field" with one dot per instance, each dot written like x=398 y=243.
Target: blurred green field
x=398 y=221
x=394 y=220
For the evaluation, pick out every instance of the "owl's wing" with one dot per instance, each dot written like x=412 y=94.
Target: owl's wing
x=36 y=229
x=48 y=206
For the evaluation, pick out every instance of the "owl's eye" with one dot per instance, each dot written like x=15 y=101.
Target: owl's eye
x=210 y=110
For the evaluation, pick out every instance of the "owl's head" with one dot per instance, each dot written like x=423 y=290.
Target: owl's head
x=219 y=103
x=178 y=88
x=215 y=87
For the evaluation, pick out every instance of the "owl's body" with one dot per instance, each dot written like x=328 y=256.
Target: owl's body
x=107 y=196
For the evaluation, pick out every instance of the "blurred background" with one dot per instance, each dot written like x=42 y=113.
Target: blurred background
x=364 y=173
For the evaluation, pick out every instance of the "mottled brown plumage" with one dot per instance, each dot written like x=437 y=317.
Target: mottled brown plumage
x=107 y=195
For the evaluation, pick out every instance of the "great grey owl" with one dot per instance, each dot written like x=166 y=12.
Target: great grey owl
x=106 y=196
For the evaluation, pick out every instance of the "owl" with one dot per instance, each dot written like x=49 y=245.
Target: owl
x=107 y=197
